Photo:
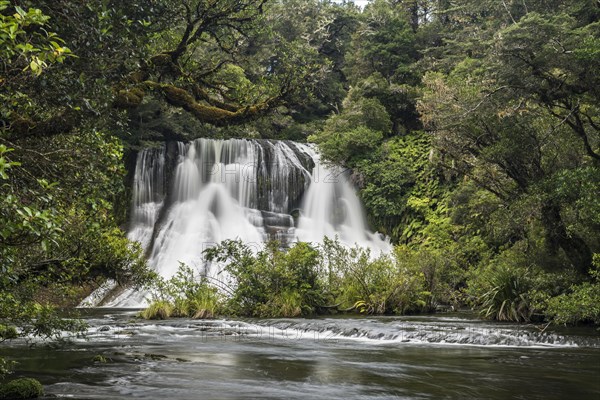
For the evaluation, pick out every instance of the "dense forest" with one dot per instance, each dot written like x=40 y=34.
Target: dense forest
x=472 y=130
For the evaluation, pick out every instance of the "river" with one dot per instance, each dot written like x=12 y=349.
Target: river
x=452 y=356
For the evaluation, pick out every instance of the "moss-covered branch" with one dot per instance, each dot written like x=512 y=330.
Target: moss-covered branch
x=181 y=98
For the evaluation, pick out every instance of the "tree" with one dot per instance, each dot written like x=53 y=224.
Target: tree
x=186 y=63
x=375 y=133
x=57 y=227
x=520 y=115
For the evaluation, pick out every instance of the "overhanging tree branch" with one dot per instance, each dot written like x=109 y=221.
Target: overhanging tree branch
x=207 y=113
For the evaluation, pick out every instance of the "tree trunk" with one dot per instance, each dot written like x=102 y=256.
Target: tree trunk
x=575 y=248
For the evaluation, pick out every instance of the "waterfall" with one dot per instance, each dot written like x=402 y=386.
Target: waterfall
x=238 y=189
x=148 y=194
x=331 y=208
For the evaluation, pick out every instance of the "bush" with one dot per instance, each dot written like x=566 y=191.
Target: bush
x=502 y=289
x=158 y=309
x=287 y=304
x=204 y=303
x=186 y=294
x=8 y=332
x=22 y=388
x=381 y=285
x=304 y=280
x=272 y=282
x=582 y=304
x=507 y=299
x=442 y=276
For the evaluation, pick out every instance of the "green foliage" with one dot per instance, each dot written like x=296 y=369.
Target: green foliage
x=33 y=318
x=22 y=388
x=25 y=47
x=384 y=43
x=380 y=62
x=581 y=304
x=58 y=183
x=507 y=298
x=5 y=367
x=517 y=117
x=185 y=294
x=502 y=289
x=158 y=309
x=344 y=146
x=354 y=133
x=381 y=285
x=271 y=282
x=7 y=333
x=471 y=128
x=578 y=306
x=51 y=241
x=5 y=164
x=303 y=280
x=443 y=269
x=402 y=190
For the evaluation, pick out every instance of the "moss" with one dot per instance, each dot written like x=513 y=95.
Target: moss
x=138 y=76
x=181 y=98
x=61 y=122
x=22 y=388
x=206 y=113
x=21 y=125
x=99 y=359
x=129 y=98
x=161 y=59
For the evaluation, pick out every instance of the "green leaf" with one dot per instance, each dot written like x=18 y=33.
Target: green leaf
x=21 y=12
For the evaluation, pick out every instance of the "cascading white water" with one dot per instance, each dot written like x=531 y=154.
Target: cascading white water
x=331 y=208
x=238 y=189
x=148 y=194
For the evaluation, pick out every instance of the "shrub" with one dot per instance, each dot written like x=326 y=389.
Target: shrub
x=501 y=290
x=8 y=332
x=22 y=388
x=304 y=280
x=158 y=309
x=441 y=274
x=272 y=282
x=582 y=304
x=287 y=304
x=186 y=294
x=204 y=303
x=380 y=285
x=507 y=298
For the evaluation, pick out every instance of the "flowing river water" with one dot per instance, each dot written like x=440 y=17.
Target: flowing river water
x=453 y=356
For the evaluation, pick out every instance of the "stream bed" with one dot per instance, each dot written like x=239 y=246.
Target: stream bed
x=451 y=356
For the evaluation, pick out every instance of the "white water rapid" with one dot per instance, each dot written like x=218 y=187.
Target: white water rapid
x=188 y=197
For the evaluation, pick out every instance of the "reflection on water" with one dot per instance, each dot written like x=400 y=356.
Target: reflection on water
x=378 y=358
